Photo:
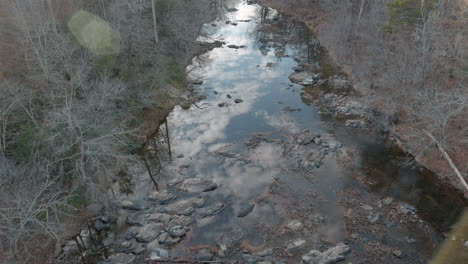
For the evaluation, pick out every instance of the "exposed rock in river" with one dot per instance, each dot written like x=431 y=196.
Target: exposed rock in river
x=245 y=210
x=194 y=185
x=330 y=256
x=210 y=211
x=304 y=78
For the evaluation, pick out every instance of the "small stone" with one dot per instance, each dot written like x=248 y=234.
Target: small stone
x=198 y=202
x=398 y=253
x=466 y=244
x=177 y=231
x=163 y=237
x=138 y=249
x=126 y=244
x=222 y=105
x=100 y=226
x=373 y=218
x=264 y=253
x=182 y=207
x=298 y=69
x=331 y=255
x=129 y=235
x=121 y=258
x=214 y=25
x=367 y=207
x=295 y=225
x=295 y=244
x=158 y=217
x=163 y=197
x=170 y=241
x=135 y=219
x=410 y=240
x=354 y=236
x=238 y=101
x=149 y=232
x=212 y=210
x=180 y=156
x=263 y=262
x=126 y=203
x=192 y=185
x=406 y=208
x=387 y=201
x=229 y=96
x=159 y=253
x=105 y=219
x=204 y=255
x=129 y=205
x=246 y=210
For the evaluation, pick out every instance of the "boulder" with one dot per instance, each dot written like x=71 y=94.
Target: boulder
x=180 y=220
x=158 y=217
x=304 y=78
x=330 y=256
x=212 y=210
x=195 y=185
x=158 y=253
x=162 y=197
x=204 y=255
x=300 y=243
x=182 y=207
x=245 y=210
x=149 y=232
x=176 y=231
x=130 y=205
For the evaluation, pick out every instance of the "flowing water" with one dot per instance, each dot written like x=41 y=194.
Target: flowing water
x=212 y=140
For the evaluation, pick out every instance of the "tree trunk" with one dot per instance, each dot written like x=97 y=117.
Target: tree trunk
x=155 y=25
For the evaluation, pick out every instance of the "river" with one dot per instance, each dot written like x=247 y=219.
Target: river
x=287 y=168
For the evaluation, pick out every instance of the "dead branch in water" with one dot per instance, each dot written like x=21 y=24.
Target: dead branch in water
x=449 y=160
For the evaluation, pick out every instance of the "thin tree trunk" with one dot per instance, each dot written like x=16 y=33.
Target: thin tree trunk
x=155 y=25
x=168 y=141
x=450 y=161
x=156 y=185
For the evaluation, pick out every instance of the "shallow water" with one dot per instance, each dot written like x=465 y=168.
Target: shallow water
x=250 y=174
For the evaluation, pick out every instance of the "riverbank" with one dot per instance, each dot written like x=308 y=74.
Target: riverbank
x=399 y=129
